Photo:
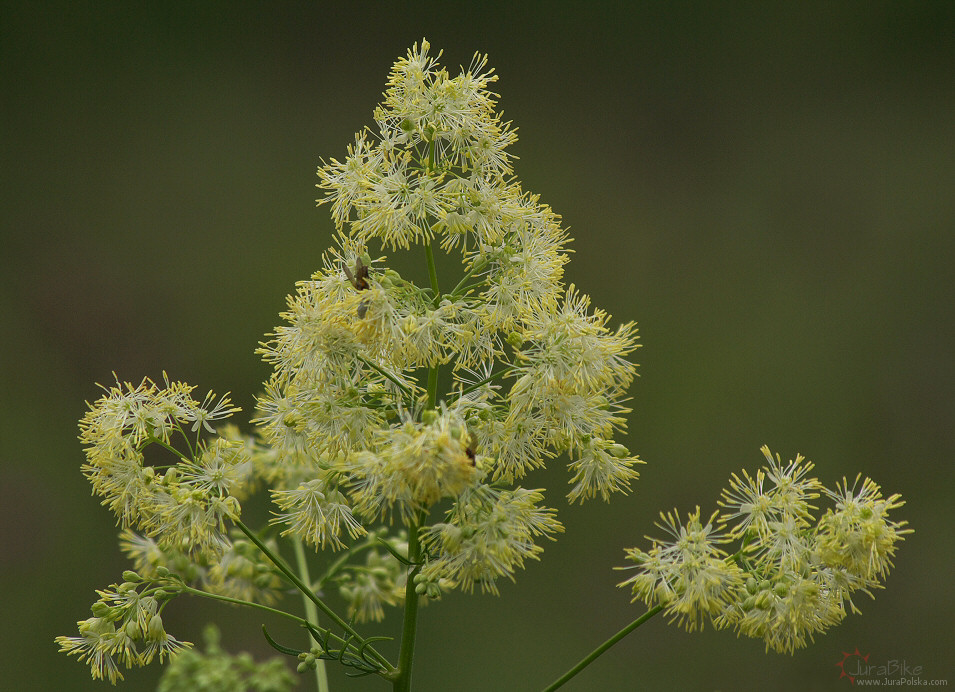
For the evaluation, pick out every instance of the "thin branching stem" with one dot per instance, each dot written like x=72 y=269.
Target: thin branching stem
x=259 y=606
x=166 y=445
x=486 y=380
x=592 y=656
x=384 y=373
x=307 y=591
x=476 y=267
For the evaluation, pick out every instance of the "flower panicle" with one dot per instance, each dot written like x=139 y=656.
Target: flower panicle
x=793 y=575
x=351 y=426
x=126 y=628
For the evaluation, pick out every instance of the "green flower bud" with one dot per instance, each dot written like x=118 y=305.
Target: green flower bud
x=154 y=630
x=132 y=630
x=618 y=451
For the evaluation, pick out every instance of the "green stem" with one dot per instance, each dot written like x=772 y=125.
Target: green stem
x=410 y=623
x=433 y=386
x=311 y=612
x=592 y=656
x=307 y=591
x=489 y=378
x=168 y=446
x=336 y=566
x=275 y=611
x=432 y=272
x=477 y=266
x=384 y=373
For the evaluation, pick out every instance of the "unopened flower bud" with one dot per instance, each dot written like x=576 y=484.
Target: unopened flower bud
x=618 y=451
x=154 y=630
x=132 y=630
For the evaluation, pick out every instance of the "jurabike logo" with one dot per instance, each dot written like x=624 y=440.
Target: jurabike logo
x=855 y=666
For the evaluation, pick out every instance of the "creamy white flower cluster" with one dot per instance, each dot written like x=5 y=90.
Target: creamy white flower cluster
x=126 y=627
x=391 y=395
x=533 y=370
x=792 y=576
x=184 y=502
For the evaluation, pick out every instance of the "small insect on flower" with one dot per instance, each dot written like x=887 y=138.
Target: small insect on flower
x=360 y=281
x=360 y=278
x=471 y=452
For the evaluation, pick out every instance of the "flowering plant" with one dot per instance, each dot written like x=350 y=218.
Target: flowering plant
x=400 y=419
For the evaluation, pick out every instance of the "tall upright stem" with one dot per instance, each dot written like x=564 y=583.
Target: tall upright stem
x=311 y=612
x=410 y=624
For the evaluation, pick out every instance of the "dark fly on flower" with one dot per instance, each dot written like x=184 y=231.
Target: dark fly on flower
x=360 y=281
x=360 y=278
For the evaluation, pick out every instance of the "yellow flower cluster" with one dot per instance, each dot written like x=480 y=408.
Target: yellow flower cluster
x=185 y=503
x=352 y=427
x=792 y=576
x=534 y=370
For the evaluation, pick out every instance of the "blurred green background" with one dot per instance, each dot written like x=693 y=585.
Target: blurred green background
x=766 y=188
